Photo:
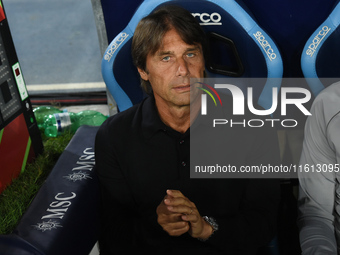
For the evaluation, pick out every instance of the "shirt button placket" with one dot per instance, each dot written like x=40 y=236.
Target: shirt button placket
x=183 y=163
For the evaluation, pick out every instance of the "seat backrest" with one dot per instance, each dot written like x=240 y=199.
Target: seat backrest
x=320 y=57
x=238 y=48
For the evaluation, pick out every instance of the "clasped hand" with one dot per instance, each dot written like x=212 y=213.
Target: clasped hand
x=178 y=215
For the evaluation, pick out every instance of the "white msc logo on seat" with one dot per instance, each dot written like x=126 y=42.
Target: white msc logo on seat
x=209 y=19
x=47 y=225
x=78 y=176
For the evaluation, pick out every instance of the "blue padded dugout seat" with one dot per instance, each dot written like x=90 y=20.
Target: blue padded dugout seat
x=14 y=245
x=63 y=218
x=240 y=49
x=320 y=58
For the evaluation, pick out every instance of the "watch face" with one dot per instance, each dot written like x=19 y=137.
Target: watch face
x=212 y=222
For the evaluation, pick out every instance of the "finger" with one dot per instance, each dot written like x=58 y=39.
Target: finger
x=177 y=201
x=176 y=229
x=174 y=193
x=177 y=225
x=182 y=209
x=162 y=209
x=169 y=218
x=193 y=218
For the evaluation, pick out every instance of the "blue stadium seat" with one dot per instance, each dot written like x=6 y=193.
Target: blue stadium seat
x=320 y=57
x=240 y=48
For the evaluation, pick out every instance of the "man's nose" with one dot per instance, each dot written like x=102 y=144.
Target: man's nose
x=183 y=68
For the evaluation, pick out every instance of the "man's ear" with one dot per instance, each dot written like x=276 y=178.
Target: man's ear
x=143 y=74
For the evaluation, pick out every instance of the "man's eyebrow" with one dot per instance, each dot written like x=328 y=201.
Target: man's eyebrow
x=162 y=53
x=193 y=48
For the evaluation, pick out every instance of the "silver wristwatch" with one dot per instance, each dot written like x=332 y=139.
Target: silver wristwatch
x=212 y=222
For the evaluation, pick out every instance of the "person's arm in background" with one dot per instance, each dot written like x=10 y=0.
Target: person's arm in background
x=317 y=190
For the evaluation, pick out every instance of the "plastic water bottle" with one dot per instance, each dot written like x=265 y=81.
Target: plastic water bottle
x=42 y=112
x=55 y=124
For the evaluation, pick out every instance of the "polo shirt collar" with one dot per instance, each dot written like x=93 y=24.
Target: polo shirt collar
x=151 y=122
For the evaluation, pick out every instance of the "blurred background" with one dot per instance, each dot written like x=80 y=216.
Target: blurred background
x=57 y=46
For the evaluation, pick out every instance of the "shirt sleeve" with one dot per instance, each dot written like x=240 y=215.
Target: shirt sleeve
x=255 y=224
x=316 y=188
x=117 y=204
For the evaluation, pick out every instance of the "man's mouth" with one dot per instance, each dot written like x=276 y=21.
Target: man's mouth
x=182 y=88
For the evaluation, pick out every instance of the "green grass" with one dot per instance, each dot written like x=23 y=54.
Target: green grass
x=16 y=198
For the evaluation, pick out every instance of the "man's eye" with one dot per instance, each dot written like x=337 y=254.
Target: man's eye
x=190 y=55
x=167 y=58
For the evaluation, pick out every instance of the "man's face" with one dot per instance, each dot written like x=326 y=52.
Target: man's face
x=169 y=71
